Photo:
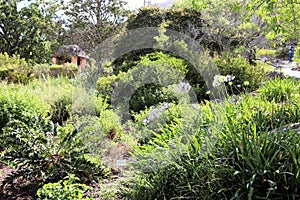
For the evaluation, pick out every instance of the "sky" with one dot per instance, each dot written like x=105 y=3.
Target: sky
x=131 y=4
x=134 y=4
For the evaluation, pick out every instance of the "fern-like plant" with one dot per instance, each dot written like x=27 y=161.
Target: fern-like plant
x=46 y=153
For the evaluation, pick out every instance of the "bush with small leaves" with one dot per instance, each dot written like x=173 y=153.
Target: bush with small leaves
x=67 y=189
x=14 y=69
x=19 y=104
x=58 y=93
x=69 y=70
x=247 y=78
x=151 y=90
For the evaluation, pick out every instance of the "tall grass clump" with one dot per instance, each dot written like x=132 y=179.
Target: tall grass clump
x=279 y=90
x=246 y=160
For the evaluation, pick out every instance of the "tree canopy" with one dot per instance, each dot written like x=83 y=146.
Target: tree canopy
x=278 y=20
x=36 y=30
x=92 y=21
x=29 y=31
x=281 y=16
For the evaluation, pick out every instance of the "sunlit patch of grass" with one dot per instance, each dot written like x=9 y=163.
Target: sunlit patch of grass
x=266 y=53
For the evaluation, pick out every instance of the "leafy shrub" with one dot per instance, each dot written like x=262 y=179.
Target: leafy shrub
x=161 y=59
x=58 y=93
x=282 y=53
x=69 y=70
x=84 y=102
x=110 y=124
x=270 y=53
x=41 y=70
x=148 y=95
x=63 y=189
x=19 y=104
x=125 y=65
x=15 y=70
x=154 y=58
x=105 y=83
x=156 y=72
x=152 y=94
x=101 y=104
x=247 y=77
x=47 y=153
x=88 y=103
x=279 y=90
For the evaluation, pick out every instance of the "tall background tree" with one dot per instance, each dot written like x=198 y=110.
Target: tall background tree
x=282 y=17
x=231 y=25
x=92 y=21
x=277 y=20
x=30 y=31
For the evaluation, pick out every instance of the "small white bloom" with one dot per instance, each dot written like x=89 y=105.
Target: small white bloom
x=218 y=80
x=229 y=78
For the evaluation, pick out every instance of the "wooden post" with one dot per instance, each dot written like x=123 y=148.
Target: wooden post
x=74 y=60
x=82 y=63
x=54 y=60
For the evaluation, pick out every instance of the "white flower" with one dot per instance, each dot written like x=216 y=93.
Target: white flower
x=184 y=87
x=218 y=80
x=229 y=78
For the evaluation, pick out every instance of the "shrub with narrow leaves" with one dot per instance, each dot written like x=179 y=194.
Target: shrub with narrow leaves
x=248 y=159
x=247 y=78
x=279 y=90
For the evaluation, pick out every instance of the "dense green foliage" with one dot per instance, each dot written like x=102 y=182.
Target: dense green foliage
x=29 y=31
x=22 y=106
x=245 y=77
x=46 y=152
x=64 y=70
x=14 y=69
x=179 y=20
x=185 y=21
x=279 y=90
x=274 y=13
x=58 y=94
x=193 y=111
x=152 y=76
x=63 y=189
x=247 y=160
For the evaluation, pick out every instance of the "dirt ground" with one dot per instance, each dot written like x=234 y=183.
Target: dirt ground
x=18 y=191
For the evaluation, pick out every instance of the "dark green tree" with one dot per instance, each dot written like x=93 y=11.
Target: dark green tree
x=90 y=22
x=29 y=31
